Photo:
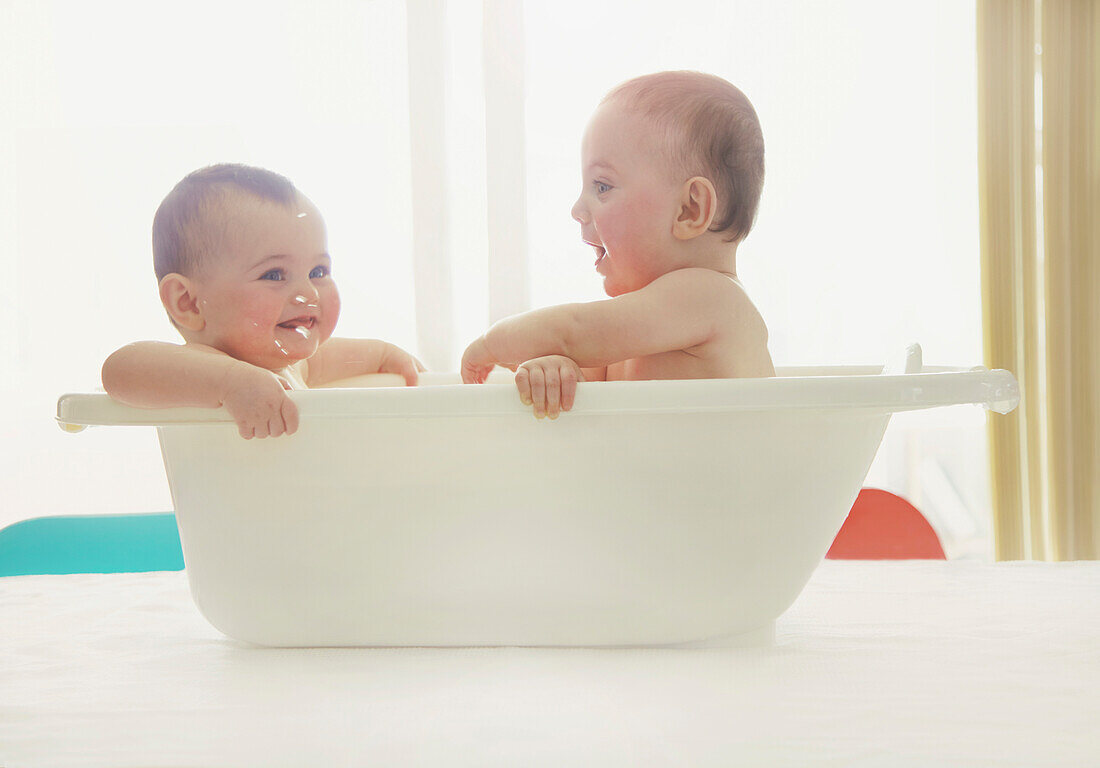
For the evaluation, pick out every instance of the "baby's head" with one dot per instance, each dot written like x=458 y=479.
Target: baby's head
x=242 y=264
x=672 y=163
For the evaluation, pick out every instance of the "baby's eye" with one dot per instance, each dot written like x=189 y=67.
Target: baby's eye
x=319 y=272
x=602 y=188
x=272 y=274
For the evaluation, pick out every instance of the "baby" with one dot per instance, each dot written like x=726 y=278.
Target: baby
x=672 y=166
x=245 y=276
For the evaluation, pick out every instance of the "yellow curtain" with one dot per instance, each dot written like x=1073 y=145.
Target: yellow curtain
x=1071 y=214
x=1041 y=274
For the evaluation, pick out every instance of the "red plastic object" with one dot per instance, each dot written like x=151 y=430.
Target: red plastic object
x=884 y=526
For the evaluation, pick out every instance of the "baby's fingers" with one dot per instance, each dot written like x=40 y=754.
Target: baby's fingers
x=290 y=416
x=261 y=428
x=284 y=421
x=269 y=419
x=404 y=365
x=523 y=384
x=553 y=393
x=569 y=381
x=409 y=370
x=538 y=390
x=474 y=374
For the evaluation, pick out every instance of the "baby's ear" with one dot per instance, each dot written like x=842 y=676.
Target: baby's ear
x=698 y=206
x=177 y=294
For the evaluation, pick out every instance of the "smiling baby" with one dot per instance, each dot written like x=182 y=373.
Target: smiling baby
x=245 y=275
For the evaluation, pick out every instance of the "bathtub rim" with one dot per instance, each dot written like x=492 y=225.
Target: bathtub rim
x=793 y=389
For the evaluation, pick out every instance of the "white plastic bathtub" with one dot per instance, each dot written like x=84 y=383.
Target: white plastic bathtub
x=654 y=512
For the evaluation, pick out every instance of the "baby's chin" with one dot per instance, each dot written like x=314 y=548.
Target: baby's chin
x=291 y=347
x=279 y=357
x=612 y=290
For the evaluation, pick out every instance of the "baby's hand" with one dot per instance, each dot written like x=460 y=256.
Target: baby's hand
x=477 y=362
x=256 y=399
x=549 y=384
x=397 y=360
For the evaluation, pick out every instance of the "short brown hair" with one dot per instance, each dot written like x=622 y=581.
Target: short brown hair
x=185 y=223
x=712 y=130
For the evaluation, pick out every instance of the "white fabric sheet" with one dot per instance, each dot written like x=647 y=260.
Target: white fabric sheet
x=876 y=664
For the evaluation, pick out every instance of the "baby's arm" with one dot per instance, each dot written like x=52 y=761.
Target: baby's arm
x=676 y=311
x=154 y=374
x=338 y=359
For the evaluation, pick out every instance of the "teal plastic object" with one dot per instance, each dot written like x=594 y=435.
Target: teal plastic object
x=91 y=544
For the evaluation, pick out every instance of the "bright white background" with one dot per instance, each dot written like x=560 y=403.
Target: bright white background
x=867 y=236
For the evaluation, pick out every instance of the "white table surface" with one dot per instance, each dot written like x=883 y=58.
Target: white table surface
x=876 y=664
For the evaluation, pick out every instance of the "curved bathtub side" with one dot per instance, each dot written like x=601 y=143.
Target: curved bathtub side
x=596 y=529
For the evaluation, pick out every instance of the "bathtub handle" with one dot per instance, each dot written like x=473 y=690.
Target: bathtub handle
x=909 y=361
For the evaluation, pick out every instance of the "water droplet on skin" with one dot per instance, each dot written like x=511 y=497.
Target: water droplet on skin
x=302 y=215
x=303 y=330
x=280 y=346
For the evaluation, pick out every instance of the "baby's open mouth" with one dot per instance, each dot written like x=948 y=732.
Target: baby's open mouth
x=300 y=325
x=299 y=322
x=600 y=252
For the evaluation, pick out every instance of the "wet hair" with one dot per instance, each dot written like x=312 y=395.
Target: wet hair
x=711 y=130
x=188 y=225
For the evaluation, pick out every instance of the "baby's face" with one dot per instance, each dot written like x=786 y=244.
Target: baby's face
x=629 y=199
x=268 y=297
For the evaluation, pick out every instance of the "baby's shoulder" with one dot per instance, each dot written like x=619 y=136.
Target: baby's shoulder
x=196 y=346
x=698 y=276
x=704 y=285
x=722 y=297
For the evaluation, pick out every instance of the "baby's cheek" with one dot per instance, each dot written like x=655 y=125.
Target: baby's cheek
x=256 y=321
x=628 y=234
x=647 y=209
x=617 y=226
x=330 y=311
x=637 y=215
x=256 y=318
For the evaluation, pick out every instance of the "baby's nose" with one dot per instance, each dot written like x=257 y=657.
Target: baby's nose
x=306 y=295
x=579 y=212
